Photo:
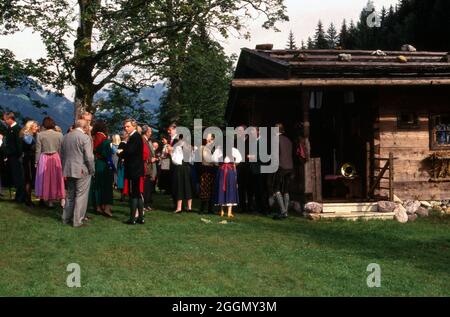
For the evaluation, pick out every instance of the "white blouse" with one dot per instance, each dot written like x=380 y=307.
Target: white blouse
x=182 y=152
x=218 y=155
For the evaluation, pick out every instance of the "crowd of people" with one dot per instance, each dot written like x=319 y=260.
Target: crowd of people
x=81 y=169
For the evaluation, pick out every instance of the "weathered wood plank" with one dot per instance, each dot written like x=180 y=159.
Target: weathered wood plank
x=353 y=52
x=424 y=190
x=338 y=82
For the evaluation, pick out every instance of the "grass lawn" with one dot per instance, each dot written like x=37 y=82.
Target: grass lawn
x=179 y=255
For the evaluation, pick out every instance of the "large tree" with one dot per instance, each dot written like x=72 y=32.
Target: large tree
x=291 y=45
x=119 y=104
x=320 y=42
x=91 y=44
x=204 y=84
x=332 y=36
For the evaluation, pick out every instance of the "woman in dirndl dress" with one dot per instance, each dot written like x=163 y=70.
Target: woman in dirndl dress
x=226 y=187
x=115 y=142
x=49 y=184
x=208 y=172
x=120 y=166
x=102 y=184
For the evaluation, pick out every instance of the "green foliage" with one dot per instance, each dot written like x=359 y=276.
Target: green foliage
x=320 y=42
x=423 y=24
x=310 y=44
x=291 y=42
x=203 y=85
x=125 y=42
x=119 y=105
x=332 y=36
x=14 y=73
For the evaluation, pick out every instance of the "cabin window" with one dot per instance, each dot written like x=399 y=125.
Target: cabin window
x=440 y=132
x=408 y=120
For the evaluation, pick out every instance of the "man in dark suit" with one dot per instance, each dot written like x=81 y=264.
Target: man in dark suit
x=14 y=155
x=134 y=170
x=258 y=180
x=243 y=169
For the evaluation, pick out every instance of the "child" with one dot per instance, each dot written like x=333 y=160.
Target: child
x=226 y=188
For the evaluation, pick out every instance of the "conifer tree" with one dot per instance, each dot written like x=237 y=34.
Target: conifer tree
x=291 y=42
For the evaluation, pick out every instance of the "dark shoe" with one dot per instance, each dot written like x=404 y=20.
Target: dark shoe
x=141 y=221
x=280 y=217
x=131 y=221
x=178 y=211
x=30 y=204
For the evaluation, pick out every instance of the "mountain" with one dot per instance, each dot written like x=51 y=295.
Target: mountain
x=151 y=95
x=23 y=102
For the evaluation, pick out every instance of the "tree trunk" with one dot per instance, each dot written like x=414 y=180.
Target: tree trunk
x=83 y=58
x=83 y=101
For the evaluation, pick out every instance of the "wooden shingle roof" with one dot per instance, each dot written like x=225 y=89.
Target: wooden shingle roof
x=341 y=67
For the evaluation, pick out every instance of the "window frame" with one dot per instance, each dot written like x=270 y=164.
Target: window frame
x=434 y=146
x=408 y=126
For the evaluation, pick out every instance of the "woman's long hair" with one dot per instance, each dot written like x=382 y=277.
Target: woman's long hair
x=26 y=130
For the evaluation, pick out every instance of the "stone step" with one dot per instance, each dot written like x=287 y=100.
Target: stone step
x=352 y=215
x=333 y=208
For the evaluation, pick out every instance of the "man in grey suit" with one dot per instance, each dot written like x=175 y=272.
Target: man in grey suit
x=78 y=167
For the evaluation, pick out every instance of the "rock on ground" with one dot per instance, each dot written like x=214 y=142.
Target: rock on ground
x=422 y=212
x=386 y=206
x=411 y=206
x=314 y=208
x=401 y=216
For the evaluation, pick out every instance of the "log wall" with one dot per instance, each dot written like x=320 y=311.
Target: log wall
x=411 y=147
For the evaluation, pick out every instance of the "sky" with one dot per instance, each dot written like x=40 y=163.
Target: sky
x=303 y=16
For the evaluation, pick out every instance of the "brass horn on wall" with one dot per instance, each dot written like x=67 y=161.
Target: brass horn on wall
x=348 y=170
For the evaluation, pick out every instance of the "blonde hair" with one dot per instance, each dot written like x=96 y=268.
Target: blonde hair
x=26 y=130
x=116 y=139
x=132 y=121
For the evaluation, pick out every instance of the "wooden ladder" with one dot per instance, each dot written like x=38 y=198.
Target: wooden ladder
x=388 y=166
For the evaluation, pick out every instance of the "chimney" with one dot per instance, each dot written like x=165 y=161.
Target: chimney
x=265 y=47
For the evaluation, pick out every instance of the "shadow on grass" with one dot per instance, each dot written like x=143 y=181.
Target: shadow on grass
x=425 y=247
x=36 y=211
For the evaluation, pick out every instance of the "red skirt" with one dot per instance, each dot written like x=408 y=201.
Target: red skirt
x=126 y=190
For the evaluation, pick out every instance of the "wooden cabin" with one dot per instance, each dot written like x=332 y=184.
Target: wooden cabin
x=385 y=114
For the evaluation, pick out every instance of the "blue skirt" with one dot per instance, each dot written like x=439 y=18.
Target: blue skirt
x=229 y=196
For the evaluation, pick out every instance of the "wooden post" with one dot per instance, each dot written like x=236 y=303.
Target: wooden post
x=316 y=179
x=368 y=167
x=391 y=176
x=309 y=166
x=305 y=112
